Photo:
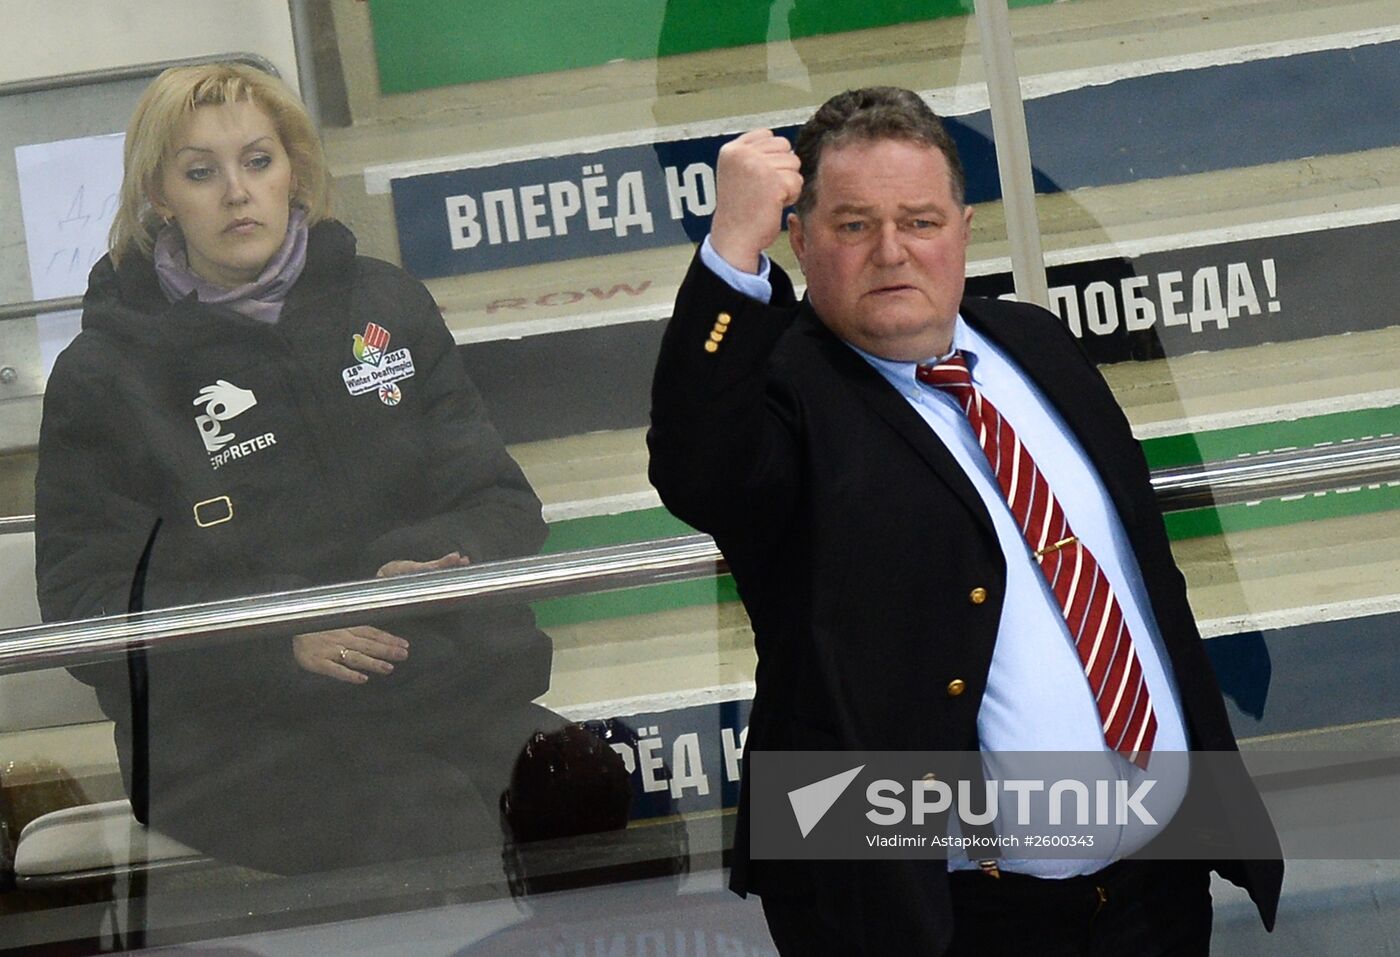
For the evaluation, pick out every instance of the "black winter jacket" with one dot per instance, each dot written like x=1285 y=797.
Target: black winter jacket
x=250 y=457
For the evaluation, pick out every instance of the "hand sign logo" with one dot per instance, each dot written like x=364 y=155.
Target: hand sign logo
x=222 y=401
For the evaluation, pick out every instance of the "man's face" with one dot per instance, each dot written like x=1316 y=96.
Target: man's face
x=884 y=247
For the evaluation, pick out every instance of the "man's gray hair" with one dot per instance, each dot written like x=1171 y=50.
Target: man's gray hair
x=873 y=113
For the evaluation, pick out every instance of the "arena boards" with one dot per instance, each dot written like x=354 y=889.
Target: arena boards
x=1237 y=309
x=1218 y=290
x=1324 y=684
x=605 y=199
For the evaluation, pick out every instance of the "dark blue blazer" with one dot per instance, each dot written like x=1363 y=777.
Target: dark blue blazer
x=849 y=527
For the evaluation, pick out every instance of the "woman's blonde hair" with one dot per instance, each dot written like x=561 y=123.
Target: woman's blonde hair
x=172 y=97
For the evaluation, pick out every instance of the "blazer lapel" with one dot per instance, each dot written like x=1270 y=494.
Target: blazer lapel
x=886 y=402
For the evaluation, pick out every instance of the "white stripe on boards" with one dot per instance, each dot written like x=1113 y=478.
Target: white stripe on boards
x=951 y=101
x=1266 y=415
x=657 y=701
x=1211 y=628
x=555 y=324
x=1048 y=84
x=1294 y=617
x=603 y=505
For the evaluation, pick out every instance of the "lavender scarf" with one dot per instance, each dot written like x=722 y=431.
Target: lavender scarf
x=260 y=299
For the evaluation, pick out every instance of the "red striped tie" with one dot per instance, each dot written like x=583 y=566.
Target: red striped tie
x=1091 y=610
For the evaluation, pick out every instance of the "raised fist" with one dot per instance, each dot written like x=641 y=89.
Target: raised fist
x=757 y=178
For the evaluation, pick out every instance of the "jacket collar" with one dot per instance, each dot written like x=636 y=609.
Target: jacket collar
x=114 y=291
x=885 y=401
x=1043 y=358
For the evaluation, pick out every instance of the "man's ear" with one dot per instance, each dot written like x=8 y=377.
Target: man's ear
x=796 y=239
x=967 y=223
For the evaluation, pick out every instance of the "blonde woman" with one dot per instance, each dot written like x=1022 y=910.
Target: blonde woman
x=251 y=407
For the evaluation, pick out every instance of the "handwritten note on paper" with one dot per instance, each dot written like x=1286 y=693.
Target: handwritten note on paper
x=68 y=196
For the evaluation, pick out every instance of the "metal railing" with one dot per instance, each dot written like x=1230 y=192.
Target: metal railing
x=1340 y=466
x=303 y=42
x=39 y=307
x=136 y=71
x=362 y=602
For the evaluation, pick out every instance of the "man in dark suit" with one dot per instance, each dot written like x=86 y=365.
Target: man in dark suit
x=898 y=580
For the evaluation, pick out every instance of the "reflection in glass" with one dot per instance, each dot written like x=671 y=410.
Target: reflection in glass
x=253 y=408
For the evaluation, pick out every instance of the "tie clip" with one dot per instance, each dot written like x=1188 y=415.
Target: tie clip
x=1055 y=547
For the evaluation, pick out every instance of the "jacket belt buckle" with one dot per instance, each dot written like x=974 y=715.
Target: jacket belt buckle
x=208 y=513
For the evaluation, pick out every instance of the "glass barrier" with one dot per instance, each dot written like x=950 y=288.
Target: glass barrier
x=549 y=186
x=379 y=807
x=1216 y=185
x=1217 y=199
x=523 y=774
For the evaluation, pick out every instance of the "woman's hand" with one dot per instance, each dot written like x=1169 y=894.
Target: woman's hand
x=406 y=567
x=353 y=654
x=349 y=654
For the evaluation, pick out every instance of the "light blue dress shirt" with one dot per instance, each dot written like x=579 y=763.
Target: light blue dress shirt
x=1037 y=696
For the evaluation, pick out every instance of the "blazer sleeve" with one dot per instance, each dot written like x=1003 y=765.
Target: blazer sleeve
x=725 y=429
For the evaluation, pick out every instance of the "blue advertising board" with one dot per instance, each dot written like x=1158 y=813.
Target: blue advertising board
x=585 y=204
x=1166 y=124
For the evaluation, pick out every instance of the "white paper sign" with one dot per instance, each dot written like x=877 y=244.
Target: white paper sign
x=68 y=197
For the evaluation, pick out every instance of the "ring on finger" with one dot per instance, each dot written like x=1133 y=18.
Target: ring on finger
x=343 y=652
